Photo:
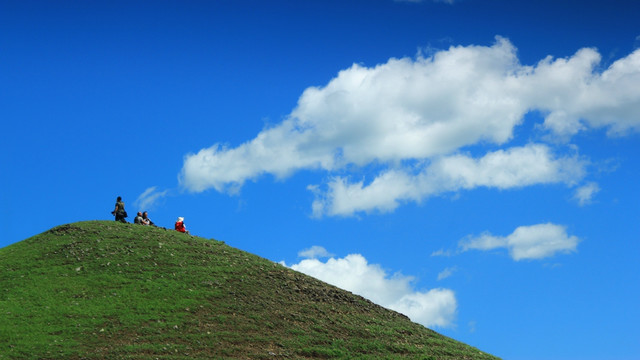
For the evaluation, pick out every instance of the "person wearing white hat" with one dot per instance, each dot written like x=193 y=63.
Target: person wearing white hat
x=180 y=225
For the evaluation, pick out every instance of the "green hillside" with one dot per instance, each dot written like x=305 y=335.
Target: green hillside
x=98 y=289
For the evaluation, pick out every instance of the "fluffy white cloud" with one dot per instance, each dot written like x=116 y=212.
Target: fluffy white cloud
x=527 y=242
x=578 y=98
x=412 y=111
x=403 y=109
x=502 y=169
x=436 y=307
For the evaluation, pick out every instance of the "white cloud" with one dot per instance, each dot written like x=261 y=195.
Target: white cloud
x=503 y=169
x=578 y=98
x=149 y=198
x=315 y=252
x=409 y=112
x=435 y=307
x=526 y=242
x=584 y=194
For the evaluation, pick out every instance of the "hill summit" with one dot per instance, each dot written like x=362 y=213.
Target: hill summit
x=101 y=289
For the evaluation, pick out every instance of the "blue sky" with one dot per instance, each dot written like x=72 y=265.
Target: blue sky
x=472 y=164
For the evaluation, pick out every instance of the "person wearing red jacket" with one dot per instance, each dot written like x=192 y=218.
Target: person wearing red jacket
x=180 y=225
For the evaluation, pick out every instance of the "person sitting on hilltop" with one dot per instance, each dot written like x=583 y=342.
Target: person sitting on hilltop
x=180 y=225
x=138 y=220
x=146 y=220
x=119 y=211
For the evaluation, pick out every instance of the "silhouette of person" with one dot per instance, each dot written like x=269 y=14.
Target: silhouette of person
x=119 y=211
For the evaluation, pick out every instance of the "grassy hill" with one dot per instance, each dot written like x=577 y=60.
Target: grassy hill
x=98 y=289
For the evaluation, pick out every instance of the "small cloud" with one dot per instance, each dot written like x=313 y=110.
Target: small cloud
x=584 y=194
x=526 y=242
x=442 y=252
x=472 y=326
x=447 y=273
x=149 y=198
x=315 y=252
x=552 y=265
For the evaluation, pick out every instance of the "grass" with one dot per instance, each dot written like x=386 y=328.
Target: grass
x=97 y=289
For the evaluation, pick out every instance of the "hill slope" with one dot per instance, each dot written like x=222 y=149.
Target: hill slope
x=97 y=289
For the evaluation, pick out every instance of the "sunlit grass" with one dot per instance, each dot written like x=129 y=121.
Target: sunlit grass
x=95 y=290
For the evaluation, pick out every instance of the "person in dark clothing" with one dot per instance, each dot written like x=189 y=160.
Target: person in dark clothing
x=119 y=211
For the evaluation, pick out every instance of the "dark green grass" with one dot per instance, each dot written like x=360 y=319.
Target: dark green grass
x=95 y=290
